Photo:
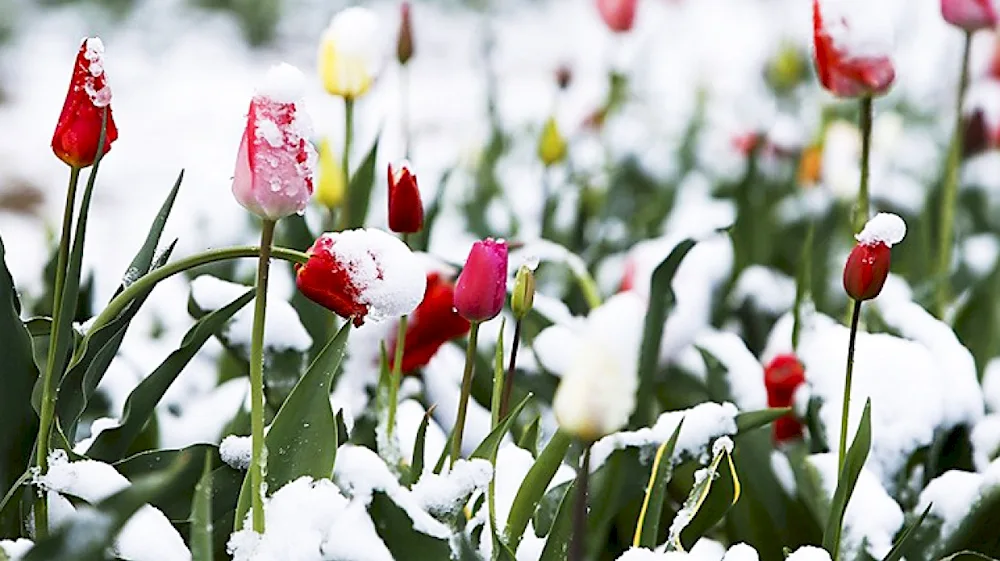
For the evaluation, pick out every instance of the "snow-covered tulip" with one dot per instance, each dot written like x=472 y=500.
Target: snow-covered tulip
x=868 y=264
x=351 y=53
x=363 y=274
x=852 y=45
x=618 y=15
x=276 y=163
x=782 y=377
x=431 y=325
x=330 y=188
x=404 y=40
x=482 y=284
x=78 y=130
x=970 y=15
x=406 y=212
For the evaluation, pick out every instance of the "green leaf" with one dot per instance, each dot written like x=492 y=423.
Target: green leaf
x=647 y=531
x=17 y=417
x=661 y=301
x=359 y=191
x=417 y=464
x=395 y=527
x=201 y=516
x=853 y=462
x=896 y=553
x=750 y=420
x=715 y=491
x=532 y=489
x=497 y=378
x=529 y=438
x=38 y=326
x=175 y=504
x=112 y=444
x=489 y=445
x=302 y=439
x=557 y=543
x=968 y=556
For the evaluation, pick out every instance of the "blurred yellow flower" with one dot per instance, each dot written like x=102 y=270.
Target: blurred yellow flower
x=330 y=190
x=551 y=145
x=351 y=53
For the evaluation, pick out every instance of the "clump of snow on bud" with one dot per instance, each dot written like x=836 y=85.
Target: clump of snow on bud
x=859 y=28
x=885 y=227
x=94 y=54
x=283 y=83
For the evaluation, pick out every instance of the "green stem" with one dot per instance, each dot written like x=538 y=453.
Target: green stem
x=345 y=165
x=48 y=404
x=258 y=455
x=842 y=449
x=404 y=109
x=950 y=191
x=803 y=284
x=508 y=383
x=863 y=205
x=576 y=545
x=397 y=374
x=463 y=400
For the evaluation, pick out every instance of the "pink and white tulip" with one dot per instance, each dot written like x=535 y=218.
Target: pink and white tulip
x=970 y=15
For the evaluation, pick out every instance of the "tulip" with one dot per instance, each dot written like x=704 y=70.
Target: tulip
x=851 y=63
x=523 y=296
x=404 y=41
x=551 y=145
x=482 y=284
x=433 y=323
x=970 y=15
x=868 y=264
x=330 y=190
x=78 y=130
x=618 y=15
x=275 y=165
x=363 y=274
x=350 y=53
x=782 y=377
x=406 y=212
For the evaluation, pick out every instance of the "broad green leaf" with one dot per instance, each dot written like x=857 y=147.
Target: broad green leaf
x=529 y=438
x=497 y=378
x=661 y=301
x=112 y=444
x=175 y=504
x=143 y=260
x=750 y=420
x=302 y=439
x=396 y=529
x=38 y=326
x=977 y=530
x=201 y=515
x=715 y=491
x=648 y=528
x=968 y=556
x=898 y=548
x=853 y=462
x=533 y=487
x=557 y=543
x=489 y=445
x=359 y=191
x=417 y=463
x=17 y=417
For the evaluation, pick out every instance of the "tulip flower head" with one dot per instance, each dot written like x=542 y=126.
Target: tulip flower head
x=431 y=325
x=868 y=264
x=482 y=284
x=852 y=45
x=970 y=15
x=981 y=116
x=523 y=296
x=782 y=377
x=363 y=274
x=406 y=212
x=351 y=53
x=276 y=164
x=78 y=131
x=618 y=15
x=404 y=41
x=551 y=144
x=330 y=189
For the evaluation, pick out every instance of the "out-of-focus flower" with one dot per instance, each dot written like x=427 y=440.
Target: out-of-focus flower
x=618 y=15
x=782 y=377
x=810 y=166
x=981 y=116
x=432 y=324
x=746 y=143
x=482 y=284
x=523 y=296
x=564 y=76
x=406 y=212
x=404 y=41
x=786 y=69
x=78 y=131
x=868 y=264
x=331 y=189
x=970 y=15
x=351 y=53
x=276 y=164
x=551 y=144
x=363 y=274
x=852 y=46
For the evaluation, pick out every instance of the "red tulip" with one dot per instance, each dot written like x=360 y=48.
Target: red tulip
x=78 y=131
x=404 y=41
x=406 y=212
x=850 y=64
x=619 y=15
x=482 y=285
x=432 y=324
x=782 y=377
x=970 y=15
x=868 y=264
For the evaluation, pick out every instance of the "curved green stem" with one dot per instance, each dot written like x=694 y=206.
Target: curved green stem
x=258 y=457
x=463 y=400
x=48 y=383
x=950 y=189
x=861 y=211
x=842 y=448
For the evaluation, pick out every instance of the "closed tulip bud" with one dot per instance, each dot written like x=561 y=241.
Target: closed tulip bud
x=551 y=145
x=331 y=189
x=431 y=325
x=970 y=15
x=404 y=41
x=787 y=69
x=363 y=274
x=482 y=284
x=782 y=378
x=868 y=264
x=78 y=131
x=618 y=15
x=276 y=163
x=524 y=292
x=350 y=53
x=852 y=46
x=406 y=212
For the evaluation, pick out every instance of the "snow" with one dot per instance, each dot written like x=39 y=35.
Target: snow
x=642 y=554
x=236 y=451
x=744 y=373
x=980 y=253
x=550 y=347
x=16 y=549
x=98 y=426
x=445 y=495
x=885 y=228
x=204 y=417
x=94 y=54
x=872 y=517
x=357 y=38
x=985 y=439
x=991 y=385
x=741 y=552
x=809 y=553
x=283 y=83
x=409 y=414
x=442 y=378
x=722 y=443
x=764 y=288
x=706 y=549
x=984 y=96
x=783 y=472
x=859 y=28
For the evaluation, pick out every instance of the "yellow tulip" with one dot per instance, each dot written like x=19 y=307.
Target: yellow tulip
x=551 y=145
x=330 y=190
x=350 y=54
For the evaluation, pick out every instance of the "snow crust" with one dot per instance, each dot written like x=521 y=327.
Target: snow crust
x=809 y=553
x=446 y=494
x=236 y=451
x=283 y=83
x=764 y=288
x=884 y=227
x=741 y=552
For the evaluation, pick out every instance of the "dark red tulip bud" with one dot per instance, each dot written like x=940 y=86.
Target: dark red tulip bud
x=782 y=378
x=868 y=264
